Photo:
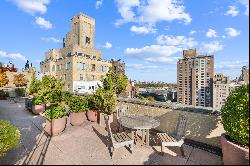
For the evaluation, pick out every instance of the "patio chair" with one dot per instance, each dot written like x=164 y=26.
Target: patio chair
x=121 y=111
x=118 y=140
x=175 y=139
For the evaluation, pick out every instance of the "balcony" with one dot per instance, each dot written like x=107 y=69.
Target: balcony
x=88 y=144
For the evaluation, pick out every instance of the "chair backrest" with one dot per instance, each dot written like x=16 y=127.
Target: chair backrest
x=109 y=129
x=181 y=126
x=122 y=111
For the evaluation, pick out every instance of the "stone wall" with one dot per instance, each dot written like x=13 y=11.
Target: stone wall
x=203 y=125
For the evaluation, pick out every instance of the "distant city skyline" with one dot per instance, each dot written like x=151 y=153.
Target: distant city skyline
x=149 y=36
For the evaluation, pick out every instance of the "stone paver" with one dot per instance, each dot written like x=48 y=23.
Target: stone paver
x=85 y=144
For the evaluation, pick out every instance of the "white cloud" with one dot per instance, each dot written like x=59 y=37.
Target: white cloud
x=43 y=23
x=211 y=33
x=246 y=4
x=233 y=11
x=107 y=45
x=142 y=29
x=154 y=53
x=176 y=41
x=51 y=39
x=12 y=56
x=141 y=66
x=32 y=6
x=192 y=32
x=98 y=4
x=151 y=11
x=232 y=32
x=212 y=47
x=231 y=64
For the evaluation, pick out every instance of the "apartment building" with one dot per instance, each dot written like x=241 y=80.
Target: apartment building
x=221 y=90
x=195 y=79
x=244 y=75
x=78 y=63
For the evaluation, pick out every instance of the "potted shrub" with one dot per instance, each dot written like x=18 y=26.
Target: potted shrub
x=78 y=106
x=9 y=137
x=38 y=105
x=55 y=116
x=106 y=102
x=92 y=111
x=235 y=120
x=3 y=95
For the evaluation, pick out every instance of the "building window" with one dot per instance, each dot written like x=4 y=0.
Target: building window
x=64 y=76
x=58 y=67
x=93 y=67
x=104 y=68
x=93 y=77
x=68 y=66
x=88 y=40
x=81 y=77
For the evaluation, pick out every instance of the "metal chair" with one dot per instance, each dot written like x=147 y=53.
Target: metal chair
x=175 y=139
x=119 y=139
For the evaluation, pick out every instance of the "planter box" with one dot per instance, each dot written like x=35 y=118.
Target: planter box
x=101 y=119
x=233 y=154
x=38 y=109
x=77 y=119
x=55 y=126
x=92 y=115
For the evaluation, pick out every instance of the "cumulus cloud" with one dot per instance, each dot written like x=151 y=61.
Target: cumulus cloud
x=107 y=45
x=151 y=11
x=232 y=32
x=12 y=56
x=211 y=33
x=176 y=41
x=212 y=47
x=192 y=32
x=98 y=4
x=32 y=6
x=142 y=29
x=231 y=64
x=51 y=39
x=233 y=11
x=43 y=23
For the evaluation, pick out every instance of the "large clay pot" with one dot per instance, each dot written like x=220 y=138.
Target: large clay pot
x=92 y=115
x=76 y=119
x=38 y=109
x=233 y=154
x=55 y=126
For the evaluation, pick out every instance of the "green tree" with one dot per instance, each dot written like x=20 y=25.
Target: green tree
x=115 y=82
x=3 y=79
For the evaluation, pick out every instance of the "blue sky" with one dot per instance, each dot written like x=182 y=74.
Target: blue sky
x=149 y=35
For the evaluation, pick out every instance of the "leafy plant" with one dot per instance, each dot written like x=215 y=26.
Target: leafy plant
x=115 y=82
x=235 y=115
x=3 y=79
x=35 y=85
x=19 y=80
x=3 y=94
x=20 y=92
x=55 y=111
x=9 y=137
x=78 y=104
x=92 y=102
x=66 y=97
x=105 y=100
x=38 y=100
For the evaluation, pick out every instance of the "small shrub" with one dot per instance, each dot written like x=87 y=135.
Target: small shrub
x=66 y=97
x=9 y=137
x=78 y=104
x=235 y=115
x=38 y=100
x=55 y=111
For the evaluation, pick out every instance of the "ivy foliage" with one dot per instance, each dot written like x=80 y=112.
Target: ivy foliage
x=78 y=104
x=9 y=137
x=55 y=111
x=235 y=115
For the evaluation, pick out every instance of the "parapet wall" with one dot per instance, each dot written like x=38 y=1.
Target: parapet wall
x=203 y=123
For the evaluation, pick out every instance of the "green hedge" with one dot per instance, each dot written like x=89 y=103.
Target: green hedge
x=9 y=137
x=235 y=115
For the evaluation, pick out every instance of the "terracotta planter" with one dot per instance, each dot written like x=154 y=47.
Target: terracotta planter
x=76 y=119
x=233 y=154
x=38 y=109
x=55 y=126
x=101 y=119
x=92 y=115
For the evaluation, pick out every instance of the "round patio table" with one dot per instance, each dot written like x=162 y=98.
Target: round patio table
x=139 y=122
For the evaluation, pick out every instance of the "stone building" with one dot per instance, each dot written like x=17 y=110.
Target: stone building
x=118 y=66
x=78 y=63
x=221 y=90
x=195 y=79
x=244 y=75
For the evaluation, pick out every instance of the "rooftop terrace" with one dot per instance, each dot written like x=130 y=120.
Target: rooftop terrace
x=86 y=144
